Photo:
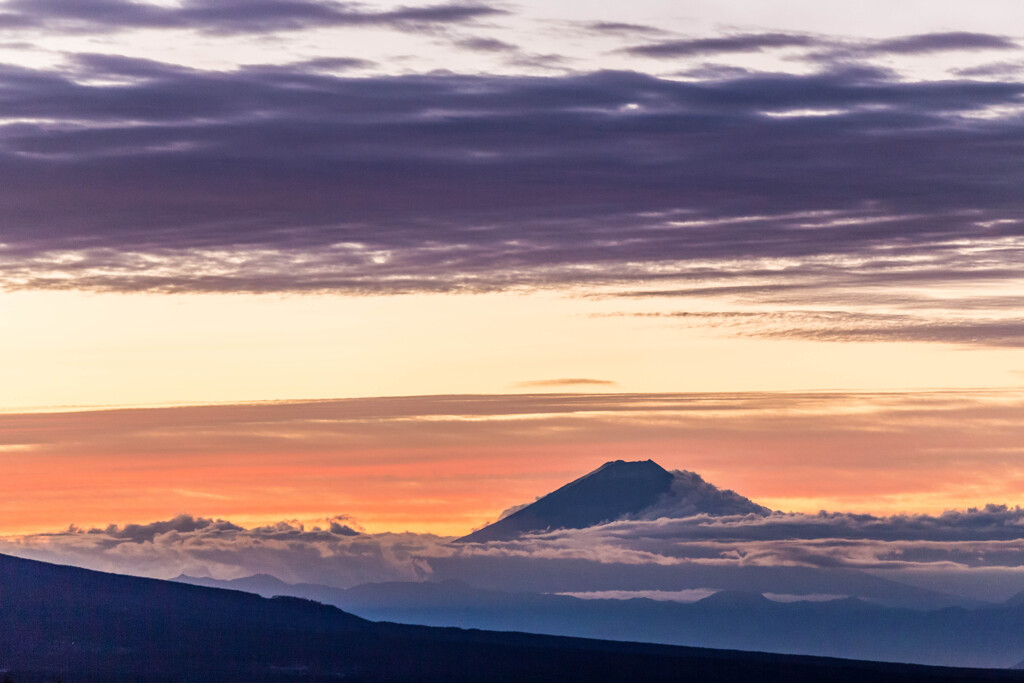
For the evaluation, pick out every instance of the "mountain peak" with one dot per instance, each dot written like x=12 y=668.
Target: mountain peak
x=618 y=489
x=614 y=489
x=626 y=467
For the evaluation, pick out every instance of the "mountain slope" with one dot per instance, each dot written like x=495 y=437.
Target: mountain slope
x=618 y=490
x=79 y=625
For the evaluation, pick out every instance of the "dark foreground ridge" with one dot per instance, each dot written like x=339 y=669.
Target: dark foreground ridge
x=72 y=624
x=618 y=490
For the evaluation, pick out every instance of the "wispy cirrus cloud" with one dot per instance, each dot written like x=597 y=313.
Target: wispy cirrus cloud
x=480 y=44
x=928 y=43
x=839 y=326
x=737 y=43
x=616 y=28
x=823 y=46
x=566 y=382
x=992 y=69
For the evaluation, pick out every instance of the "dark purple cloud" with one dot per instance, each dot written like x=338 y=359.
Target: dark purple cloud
x=228 y=16
x=160 y=177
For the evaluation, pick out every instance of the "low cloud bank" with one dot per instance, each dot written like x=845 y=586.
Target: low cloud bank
x=332 y=553
x=952 y=544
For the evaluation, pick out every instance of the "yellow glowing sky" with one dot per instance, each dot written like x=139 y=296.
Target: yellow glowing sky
x=74 y=349
x=448 y=464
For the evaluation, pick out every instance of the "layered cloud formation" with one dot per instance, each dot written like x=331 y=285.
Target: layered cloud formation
x=877 y=207
x=125 y=174
x=960 y=551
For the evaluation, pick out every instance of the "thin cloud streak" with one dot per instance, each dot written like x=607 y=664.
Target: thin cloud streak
x=953 y=41
x=749 y=42
x=825 y=48
x=847 y=326
x=566 y=382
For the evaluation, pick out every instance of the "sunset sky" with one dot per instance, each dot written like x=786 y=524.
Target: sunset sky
x=415 y=264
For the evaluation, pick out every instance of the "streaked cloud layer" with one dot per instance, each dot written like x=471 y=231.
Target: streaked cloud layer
x=830 y=190
x=128 y=175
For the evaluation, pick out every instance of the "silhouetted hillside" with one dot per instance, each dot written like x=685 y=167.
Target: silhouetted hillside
x=986 y=636
x=80 y=625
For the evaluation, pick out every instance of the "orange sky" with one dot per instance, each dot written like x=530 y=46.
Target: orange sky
x=118 y=349
x=447 y=464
